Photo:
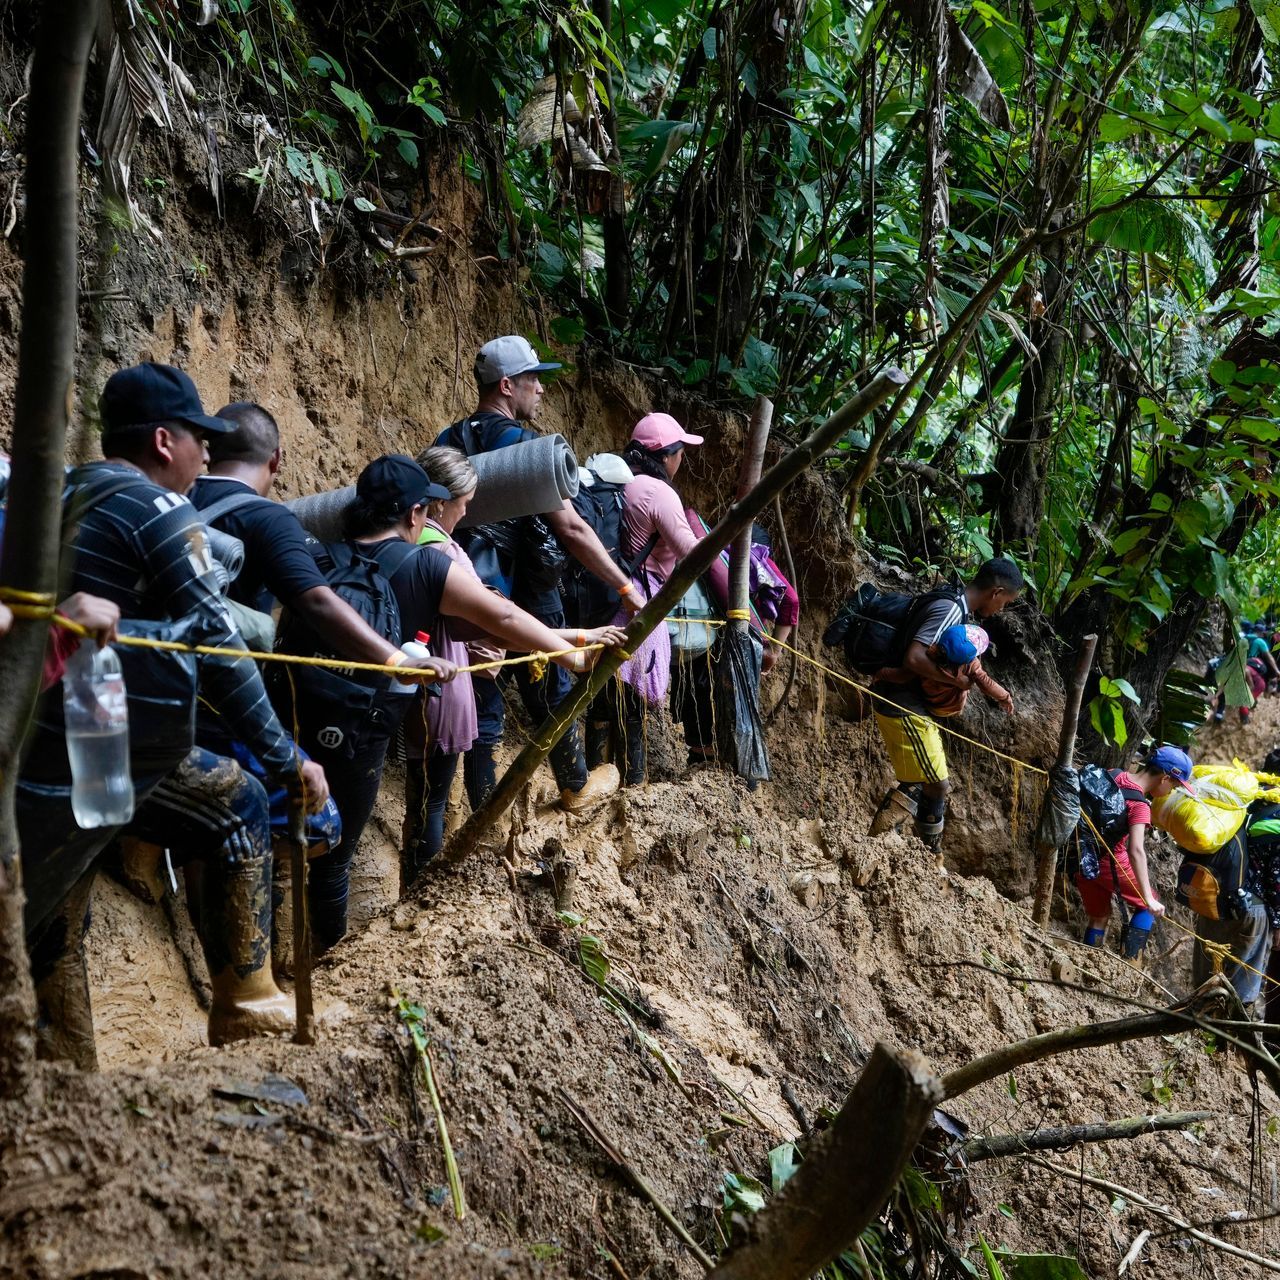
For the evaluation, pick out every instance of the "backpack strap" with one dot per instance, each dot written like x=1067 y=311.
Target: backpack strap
x=630 y=566
x=82 y=494
x=465 y=433
x=232 y=502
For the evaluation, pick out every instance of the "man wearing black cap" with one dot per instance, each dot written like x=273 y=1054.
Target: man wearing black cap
x=140 y=544
x=510 y=389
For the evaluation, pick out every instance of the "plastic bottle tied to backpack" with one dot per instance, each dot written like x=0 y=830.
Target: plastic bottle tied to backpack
x=97 y=724
x=416 y=650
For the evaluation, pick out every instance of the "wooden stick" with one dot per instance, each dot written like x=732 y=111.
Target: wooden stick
x=848 y=1173
x=748 y=478
x=686 y=572
x=304 y=1031
x=1048 y=864
x=615 y=1157
x=1016 y=1144
x=1140 y=1201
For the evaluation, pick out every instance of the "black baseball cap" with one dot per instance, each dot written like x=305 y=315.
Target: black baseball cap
x=152 y=393
x=396 y=484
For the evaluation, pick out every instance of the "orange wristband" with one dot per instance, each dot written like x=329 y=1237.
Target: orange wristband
x=626 y=591
x=397 y=659
x=582 y=639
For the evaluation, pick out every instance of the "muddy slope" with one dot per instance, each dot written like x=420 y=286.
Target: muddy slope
x=757 y=943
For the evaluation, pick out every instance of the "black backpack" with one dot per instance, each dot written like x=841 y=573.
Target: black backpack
x=336 y=709
x=1104 y=803
x=875 y=627
x=508 y=555
x=588 y=602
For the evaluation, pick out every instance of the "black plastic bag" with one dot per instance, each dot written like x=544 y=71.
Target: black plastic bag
x=739 y=725
x=1060 y=814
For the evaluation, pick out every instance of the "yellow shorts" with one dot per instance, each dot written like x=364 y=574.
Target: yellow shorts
x=915 y=748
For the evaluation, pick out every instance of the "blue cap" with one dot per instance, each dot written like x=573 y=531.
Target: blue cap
x=147 y=394
x=956 y=645
x=1173 y=761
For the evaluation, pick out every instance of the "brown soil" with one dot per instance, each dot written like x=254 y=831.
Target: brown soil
x=760 y=939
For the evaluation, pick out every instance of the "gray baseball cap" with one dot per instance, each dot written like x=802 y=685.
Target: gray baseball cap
x=508 y=357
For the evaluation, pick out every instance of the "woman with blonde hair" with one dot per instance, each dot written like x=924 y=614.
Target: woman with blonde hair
x=440 y=729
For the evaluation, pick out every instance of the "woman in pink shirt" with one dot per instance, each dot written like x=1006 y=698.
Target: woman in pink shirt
x=652 y=505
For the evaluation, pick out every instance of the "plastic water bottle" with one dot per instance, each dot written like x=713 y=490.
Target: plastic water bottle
x=416 y=649
x=97 y=721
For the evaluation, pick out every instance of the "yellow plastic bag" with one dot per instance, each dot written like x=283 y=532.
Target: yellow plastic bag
x=1236 y=777
x=1201 y=822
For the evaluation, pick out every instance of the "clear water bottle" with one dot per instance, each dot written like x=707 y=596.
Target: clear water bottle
x=97 y=721
x=417 y=650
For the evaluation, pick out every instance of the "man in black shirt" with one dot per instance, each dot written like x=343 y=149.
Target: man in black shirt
x=140 y=544
x=510 y=392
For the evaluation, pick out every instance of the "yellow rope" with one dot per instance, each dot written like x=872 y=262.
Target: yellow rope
x=879 y=697
x=738 y=615
x=294 y=659
x=1216 y=951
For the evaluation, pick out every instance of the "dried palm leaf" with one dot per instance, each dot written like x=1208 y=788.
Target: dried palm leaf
x=540 y=118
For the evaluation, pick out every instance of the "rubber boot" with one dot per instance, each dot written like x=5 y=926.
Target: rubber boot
x=64 y=1027
x=282 y=910
x=897 y=806
x=1136 y=933
x=236 y=933
x=597 y=746
x=142 y=869
x=602 y=782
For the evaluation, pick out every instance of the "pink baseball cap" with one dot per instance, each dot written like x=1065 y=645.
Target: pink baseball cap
x=660 y=431
x=978 y=638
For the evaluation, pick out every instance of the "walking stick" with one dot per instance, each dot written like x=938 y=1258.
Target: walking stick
x=305 y=1029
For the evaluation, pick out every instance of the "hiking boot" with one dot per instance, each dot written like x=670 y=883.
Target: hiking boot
x=897 y=806
x=247 y=1007
x=601 y=783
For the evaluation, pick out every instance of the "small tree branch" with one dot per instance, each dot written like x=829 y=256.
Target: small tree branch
x=847 y=1175
x=1139 y=1201
x=1063 y=1139
x=1090 y=1036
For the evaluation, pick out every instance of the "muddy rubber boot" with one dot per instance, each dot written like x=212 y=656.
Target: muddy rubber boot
x=142 y=869
x=281 y=911
x=929 y=829
x=247 y=1007
x=602 y=782
x=64 y=1025
x=898 y=805
x=236 y=933
x=597 y=743
x=637 y=773
x=1135 y=935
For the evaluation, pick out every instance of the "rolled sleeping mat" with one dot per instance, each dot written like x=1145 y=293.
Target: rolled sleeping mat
x=521 y=480
x=227 y=553
x=322 y=514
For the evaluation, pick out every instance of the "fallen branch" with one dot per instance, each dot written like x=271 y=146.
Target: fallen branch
x=848 y=1173
x=1140 y=1201
x=1063 y=1139
x=615 y=1157
x=1093 y=1035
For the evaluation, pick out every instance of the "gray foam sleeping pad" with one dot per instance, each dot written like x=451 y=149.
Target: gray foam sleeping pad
x=521 y=480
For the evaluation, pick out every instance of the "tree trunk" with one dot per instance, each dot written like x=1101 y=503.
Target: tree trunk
x=617 y=247
x=46 y=362
x=846 y=1176
x=1020 y=459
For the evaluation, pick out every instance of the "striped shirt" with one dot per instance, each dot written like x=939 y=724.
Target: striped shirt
x=144 y=548
x=939 y=615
